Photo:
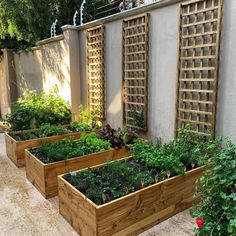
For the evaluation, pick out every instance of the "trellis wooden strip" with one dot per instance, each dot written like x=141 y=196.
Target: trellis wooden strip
x=95 y=70
x=197 y=81
x=135 y=71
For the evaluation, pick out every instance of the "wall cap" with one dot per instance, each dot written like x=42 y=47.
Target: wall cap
x=122 y=15
x=50 y=40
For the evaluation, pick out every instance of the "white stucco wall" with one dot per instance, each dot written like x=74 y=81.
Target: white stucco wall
x=226 y=115
x=163 y=43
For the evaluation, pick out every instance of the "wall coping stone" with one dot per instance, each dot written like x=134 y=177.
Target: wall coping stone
x=50 y=40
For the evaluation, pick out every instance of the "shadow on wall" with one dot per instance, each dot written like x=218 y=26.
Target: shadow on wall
x=55 y=68
x=1 y=84
x=28 y=70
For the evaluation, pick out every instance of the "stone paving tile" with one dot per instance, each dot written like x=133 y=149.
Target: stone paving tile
x=24 y=212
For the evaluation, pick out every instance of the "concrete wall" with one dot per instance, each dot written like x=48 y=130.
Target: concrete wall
x=43 y=67
x=62 y=61
x=1 y=83
x=28 y=69
x=226 y=116
x=163 y=45
x=55 y=68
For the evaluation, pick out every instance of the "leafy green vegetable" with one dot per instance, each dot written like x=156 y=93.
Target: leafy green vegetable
x=68 y=148
x=44 y=131
x=89 y=118
x=78 y=126
x=112 y=181
x=118 y=138
x=150 y=164
x=177 y=156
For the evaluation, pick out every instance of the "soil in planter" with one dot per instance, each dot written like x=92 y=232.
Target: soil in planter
x=151 y=164
x=68 y=148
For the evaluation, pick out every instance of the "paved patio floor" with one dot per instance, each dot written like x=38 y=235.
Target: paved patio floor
x=24 y=212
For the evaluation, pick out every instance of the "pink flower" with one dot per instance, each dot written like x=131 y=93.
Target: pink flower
x=200 y=222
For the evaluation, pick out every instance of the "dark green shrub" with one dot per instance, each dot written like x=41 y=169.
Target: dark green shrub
x=216 y=212
x=33 y=110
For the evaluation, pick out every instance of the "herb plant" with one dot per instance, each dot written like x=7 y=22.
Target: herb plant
x=150 y=164
x=177 y=156
x=44 y=131
x=68 y=148
x=216 y=211
x=33 y=110
x=78 y=126
x=90 y=118
x=118 y=138
x=111 y=181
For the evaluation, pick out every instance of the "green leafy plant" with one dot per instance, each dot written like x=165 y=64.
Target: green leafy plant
x=89 y=118
x=68 y=148
x=111 y=181
x=118 y=138
x=151 y=163
x=186 y=152
x=216 y=211
x=78 y=126
x=137 y=118
x=44 y=131
x=33 y=110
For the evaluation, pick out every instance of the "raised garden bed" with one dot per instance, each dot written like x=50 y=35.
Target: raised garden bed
x=18 y=141
x=130 y=214
x=16 y=149
x=42 y=172
x=126 y=197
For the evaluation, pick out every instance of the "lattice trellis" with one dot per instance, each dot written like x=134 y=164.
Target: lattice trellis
x=135 y=71
x=95 y=70
x=200 y=27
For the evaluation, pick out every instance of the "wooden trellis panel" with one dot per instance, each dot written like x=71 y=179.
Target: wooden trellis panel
x=135 y=71
x=95 y=71
x=200 y=27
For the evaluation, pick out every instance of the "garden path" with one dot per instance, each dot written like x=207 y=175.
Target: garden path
x=24 y=212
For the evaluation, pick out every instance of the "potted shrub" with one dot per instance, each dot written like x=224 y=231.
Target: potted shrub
x=45 y=163
x=125 y=197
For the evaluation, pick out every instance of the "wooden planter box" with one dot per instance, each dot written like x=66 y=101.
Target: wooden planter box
x=131 y=214
x=44 y=176
x=16 y=149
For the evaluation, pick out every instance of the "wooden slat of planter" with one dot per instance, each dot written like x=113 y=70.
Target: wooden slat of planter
x=75 y=209
x=46 y=181
x=16 y=149
x=131 y=214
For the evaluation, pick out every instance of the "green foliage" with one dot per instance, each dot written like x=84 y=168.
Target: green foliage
x=138 y=119
x=89 y=117
x=150 y=164
x=118 y=138
x=112 y=181
x=78 y=126
x=46 y=130
x=217 y=189
x=177 y=156
x=33 y=110
x=68 y=148
x=22 y=22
